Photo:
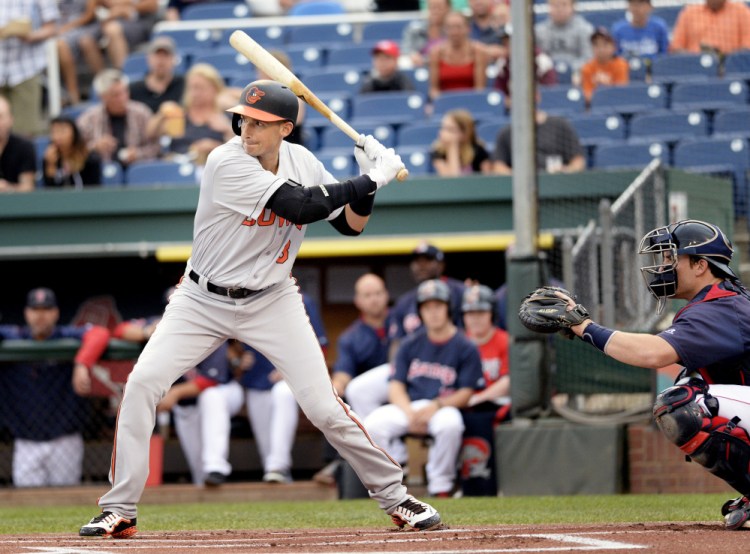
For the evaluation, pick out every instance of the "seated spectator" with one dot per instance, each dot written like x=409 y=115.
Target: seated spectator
x=421 y=35
x=565 y=35
x=435 y=372
x=42 y=399
x=115 y=128
x=543 y=65
x=640 y=34
x=199 y=125
x=605 y=68
x=715 y=26
x=458 y=62
x=481 y=19
x=457 y=150
x=124 y=24
x=385 y=75
x=558 y=149
x=77 y=19
x=160 y=83
x=175 y=7
x=67 y=160
x=17 y=155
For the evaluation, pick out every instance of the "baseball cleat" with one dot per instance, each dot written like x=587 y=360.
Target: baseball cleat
x=215 y=479
x=416 y=515
x=277 y=477
x=734 y=504
x=108 y=524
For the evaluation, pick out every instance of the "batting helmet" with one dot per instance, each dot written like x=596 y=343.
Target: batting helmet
x=478 y=298
x=433 y=289
x=265 y=100
x=688 y=237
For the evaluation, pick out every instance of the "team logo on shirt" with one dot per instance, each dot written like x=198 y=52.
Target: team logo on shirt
x=443 y=373
x=253 y=95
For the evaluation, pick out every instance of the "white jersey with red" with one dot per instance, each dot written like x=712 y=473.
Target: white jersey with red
x=237 y=242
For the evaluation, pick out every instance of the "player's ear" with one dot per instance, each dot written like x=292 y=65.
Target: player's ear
x=286 y=128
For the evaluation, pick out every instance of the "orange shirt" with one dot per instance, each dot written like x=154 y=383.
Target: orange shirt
x=727 y=30
x=615 y=72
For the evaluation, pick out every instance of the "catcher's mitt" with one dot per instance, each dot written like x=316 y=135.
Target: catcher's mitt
x=545 y=312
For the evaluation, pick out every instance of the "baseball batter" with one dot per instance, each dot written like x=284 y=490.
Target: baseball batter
x=707 y=413
x=258 y=193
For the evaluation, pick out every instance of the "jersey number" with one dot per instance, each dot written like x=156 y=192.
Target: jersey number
x=284 y=253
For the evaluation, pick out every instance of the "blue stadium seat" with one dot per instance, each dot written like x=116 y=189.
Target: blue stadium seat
x=328 y=33
x=339 y=162
x=272 y=36
x=418 y=134
x=628 y=99
x=629 y=155
x=304 y=57
x=672 y=68
x=564 y=73
x=112 y=174
x=316 y=7
x=599 y=128
x=160 y=173
x=226 y=62
x=331 y=137
x=732 y=122
x=668 y=14
x=737 y=64
x=721 y=157
x=329 y=79
x=416 y=159
x=395 y=108
x=561 y=100
x=355 y=56
x=420 y=76
x=215 y=10
x=668 y=126
x=488 y=131
x=338 y=101
x=637 y=70
x=602 y=18
x=196 y=39
x=380 y=30
x=74 y=111
x=710 y=95
x=481 y=104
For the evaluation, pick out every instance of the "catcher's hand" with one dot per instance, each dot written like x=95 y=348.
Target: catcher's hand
x=547 y=310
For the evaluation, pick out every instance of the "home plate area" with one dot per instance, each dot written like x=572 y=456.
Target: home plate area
x=653 y=537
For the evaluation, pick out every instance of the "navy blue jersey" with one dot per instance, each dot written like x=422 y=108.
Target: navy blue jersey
x=216 y=366
x=361 y=347
x=38 y=402
x=431 y=370
x=711 y=335
x=405 y=316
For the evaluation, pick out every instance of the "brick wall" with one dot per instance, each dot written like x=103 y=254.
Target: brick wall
x=658 y=466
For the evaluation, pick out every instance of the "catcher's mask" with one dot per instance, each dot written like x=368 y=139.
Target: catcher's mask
x=265 y=100
x=434 y=289
x=688 y=237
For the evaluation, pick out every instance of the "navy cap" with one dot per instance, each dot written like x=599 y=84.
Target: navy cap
x=428 y=251
x=41 y=297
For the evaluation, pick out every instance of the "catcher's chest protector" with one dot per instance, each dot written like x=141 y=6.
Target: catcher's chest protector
x=712 y=441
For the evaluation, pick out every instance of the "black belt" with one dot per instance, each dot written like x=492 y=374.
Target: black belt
x=231 y=293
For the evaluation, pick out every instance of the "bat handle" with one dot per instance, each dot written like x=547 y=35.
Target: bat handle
x=403 y=174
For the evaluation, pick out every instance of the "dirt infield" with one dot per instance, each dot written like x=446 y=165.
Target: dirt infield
x=652 y=537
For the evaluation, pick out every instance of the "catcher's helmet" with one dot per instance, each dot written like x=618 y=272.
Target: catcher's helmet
x=688 y=237
x=433 y=289
x=265 y=100
x=478 y=298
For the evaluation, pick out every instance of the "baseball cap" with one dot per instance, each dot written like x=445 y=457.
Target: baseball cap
x=433 y=289
x=162 y=42
x=602 y=32
x=428 y=251
x=41 y=297
x=478 y=298
x=266 y=100
x=387 y=47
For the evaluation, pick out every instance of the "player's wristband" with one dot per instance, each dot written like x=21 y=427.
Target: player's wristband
x=363 y=206
x=597 y=336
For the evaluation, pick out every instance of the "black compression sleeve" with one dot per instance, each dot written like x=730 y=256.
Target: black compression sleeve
x=342 y=225
x=302 y=205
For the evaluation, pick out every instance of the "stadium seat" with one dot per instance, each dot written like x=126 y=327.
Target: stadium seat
x=338 y=101
x=599 y=128
x=74 y=111
x=668 y=126
x=328 y=33
x=331 y=137
x=564 y=73
x=420 y=77
x=634 y=155
x=354 y=56
x=316 y=7
x=339 y=162
x=112 y=174
x=305 y=57
x=488 y=130
x=196 y=39
x=215 y=10
x=334 y=79
x=160 y=173
x=481 y=104
x=672 y=68
x=380 y=30
x=273 y=36
x=737 y=65
x=561 y=100
x=628 y=99
x=668 y=14
x=416 y=159
x=227 y=62
x=602 y=18
x=637 y=70
x=395 y=108
x=732 y=122
x=710 y=95
x=418 y=134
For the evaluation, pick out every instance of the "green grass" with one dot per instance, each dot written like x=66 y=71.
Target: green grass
x=365 y=513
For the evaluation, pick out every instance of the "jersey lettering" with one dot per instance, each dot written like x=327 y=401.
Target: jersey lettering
x=267 y=218
x=284 y=253
x=445 y=374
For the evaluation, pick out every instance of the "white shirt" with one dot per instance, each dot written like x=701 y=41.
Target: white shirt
x=19 y=60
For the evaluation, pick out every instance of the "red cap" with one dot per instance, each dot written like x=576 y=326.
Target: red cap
x=387 y=47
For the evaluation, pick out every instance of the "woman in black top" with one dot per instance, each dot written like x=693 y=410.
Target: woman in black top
x=67 y=160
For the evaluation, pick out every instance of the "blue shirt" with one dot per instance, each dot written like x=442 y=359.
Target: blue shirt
x=711 y=335
x=361 y=347
x=641 y=42
x=431 y=370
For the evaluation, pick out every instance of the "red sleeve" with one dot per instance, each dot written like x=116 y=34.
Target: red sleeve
x=204 y=383
x=120 y=329
x=93 y=345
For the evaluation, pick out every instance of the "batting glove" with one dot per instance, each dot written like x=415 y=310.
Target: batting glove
x=370 y=145
x=364 y=162
x=387 y=166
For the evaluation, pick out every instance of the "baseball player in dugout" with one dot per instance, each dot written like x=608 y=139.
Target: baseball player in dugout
x=258 y=193
x=707 y=411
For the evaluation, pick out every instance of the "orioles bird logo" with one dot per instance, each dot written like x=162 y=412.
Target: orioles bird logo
x=253 y=95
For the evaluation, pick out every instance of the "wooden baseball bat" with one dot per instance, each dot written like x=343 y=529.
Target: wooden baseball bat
x=263 y=60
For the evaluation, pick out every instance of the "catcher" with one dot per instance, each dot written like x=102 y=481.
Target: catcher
x=707 y=412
